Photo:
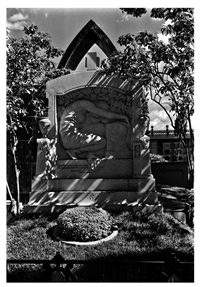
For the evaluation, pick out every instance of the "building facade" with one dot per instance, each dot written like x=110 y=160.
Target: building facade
x=166 y=144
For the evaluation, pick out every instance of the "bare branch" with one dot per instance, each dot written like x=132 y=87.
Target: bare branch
x=161 y=105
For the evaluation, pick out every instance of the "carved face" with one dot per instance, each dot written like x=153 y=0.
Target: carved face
x=44 y=125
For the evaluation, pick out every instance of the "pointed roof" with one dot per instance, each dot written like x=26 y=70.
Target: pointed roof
x=90 y=34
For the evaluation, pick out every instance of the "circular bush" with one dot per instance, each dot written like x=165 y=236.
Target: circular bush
x=84 y=224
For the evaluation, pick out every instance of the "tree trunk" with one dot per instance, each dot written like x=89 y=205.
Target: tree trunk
x=191 y=153
x=17 y=173
x=9 y=192
x=191 y=138
x=13 y=201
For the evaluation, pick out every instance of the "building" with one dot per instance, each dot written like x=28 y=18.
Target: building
x=165 y=143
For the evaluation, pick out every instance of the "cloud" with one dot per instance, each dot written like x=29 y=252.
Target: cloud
x=159 y=114
x=18 y=17
x=159 y=120
x=164 y=38
x=16 y=25
x=156 y=19
x=125 y=18
x=17 y=21
x=158 y=117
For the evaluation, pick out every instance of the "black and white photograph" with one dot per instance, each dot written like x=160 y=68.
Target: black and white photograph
x=100 y=143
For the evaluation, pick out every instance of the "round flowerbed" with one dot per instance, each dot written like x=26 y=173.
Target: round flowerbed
x=84 y=224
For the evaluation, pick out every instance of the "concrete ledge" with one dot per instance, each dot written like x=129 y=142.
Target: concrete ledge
x=58 y=208
x=142 y=184
x=93 y=197
x=90 y=243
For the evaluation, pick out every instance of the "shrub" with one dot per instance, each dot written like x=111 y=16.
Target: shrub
x=84 y=224
x=157 y=158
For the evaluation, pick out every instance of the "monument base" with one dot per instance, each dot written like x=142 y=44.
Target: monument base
x=55 y=195
x=58 y=208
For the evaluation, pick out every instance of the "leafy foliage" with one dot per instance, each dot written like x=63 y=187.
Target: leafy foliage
x=84 y=224
x=165 y=69
x=157 y=158
x=30 y=65
x=136 y=12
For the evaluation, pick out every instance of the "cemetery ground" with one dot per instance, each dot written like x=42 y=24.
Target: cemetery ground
x=152 y=237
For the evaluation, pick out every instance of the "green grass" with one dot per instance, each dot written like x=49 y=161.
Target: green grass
x=139 y=238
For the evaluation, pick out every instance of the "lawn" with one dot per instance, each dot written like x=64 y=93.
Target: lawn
x=139 y=238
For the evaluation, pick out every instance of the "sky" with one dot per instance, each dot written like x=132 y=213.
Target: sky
x=63 y=24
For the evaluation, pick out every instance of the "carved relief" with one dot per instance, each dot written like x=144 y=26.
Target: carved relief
x=83 y=129
x=141 y=126
x=46 y=158
x=51 y=159
x=118 y=137
x=137 y=151
x=44 y=125
x=46 y=153
x=145 y=141
x=117 y=101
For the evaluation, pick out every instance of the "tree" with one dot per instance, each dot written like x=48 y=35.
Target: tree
x=165 y=69
x=29 y=66
x=136 y=12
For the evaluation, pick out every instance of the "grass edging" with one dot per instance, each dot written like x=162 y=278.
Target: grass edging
x=108 y=238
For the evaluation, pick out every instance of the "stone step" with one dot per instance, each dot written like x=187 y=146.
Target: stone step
x=93 y=197
x=97 y=184
x=58 y=208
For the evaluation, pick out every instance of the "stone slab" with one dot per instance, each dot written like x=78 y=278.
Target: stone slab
x=99 y=184
x=100 y=198
x=95 y=168
x=58 y=208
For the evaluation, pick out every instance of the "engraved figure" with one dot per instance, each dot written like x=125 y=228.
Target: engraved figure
x=141 y=126
x=119 y=137
x=82 y=127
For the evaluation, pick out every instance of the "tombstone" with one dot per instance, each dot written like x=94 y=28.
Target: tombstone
x=94 y=151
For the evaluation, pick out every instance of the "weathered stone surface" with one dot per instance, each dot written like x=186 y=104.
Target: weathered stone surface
x=89 y=129
x=96 y=152
x=58 y=208
x=95 y=168
x=99 y=198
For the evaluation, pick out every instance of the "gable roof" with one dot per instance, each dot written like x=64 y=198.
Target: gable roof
x=89 y=35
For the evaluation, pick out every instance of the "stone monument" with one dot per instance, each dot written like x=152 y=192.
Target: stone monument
x=94 y=151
